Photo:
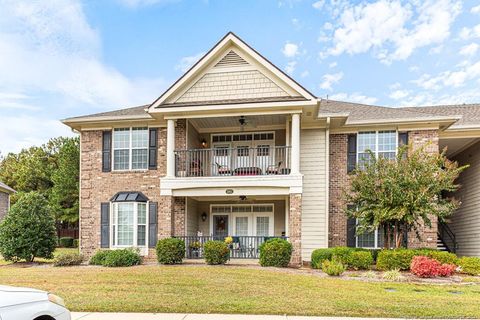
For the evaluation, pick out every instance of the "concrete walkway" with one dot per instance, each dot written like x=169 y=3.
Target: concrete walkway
x=184 y=316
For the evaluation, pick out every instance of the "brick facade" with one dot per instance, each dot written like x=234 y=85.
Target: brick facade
x=295 y=228
x=338 y=183
x=97 y=186
x=4 y=201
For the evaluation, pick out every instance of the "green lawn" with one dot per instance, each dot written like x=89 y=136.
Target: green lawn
x=230 y=289
x=56 y=253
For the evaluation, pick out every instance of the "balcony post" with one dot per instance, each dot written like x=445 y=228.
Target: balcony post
x=170 y=148
x=295 y=143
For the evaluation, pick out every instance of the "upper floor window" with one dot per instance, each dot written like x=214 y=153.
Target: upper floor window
x=130 y=149
x=380 y=143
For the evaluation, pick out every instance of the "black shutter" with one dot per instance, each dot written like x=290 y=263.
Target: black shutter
x=152 y=224
x=152 y=149
x=351 y=152
x=105 y=225
x=107 y=151
x=351 y=229
x=405 y=239
x=403 y=140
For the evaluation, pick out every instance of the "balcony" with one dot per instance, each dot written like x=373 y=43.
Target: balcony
x=262 y=160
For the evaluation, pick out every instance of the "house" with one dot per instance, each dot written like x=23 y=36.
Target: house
x=5 y=192
x=236 y=147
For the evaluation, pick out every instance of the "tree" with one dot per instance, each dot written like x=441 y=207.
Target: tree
x=402 y=194
x=28 y=231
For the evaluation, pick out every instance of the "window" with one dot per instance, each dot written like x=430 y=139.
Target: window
x=263 y=226
x=263 y=150
x=241 y=226
x=130 y=149
x=129 y=224
x=245 y=219
x=371 y=240
x=380 y=143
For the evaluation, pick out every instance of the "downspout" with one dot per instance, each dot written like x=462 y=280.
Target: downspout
x=327 y=178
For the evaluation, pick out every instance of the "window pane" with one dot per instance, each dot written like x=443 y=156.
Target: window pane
x=120 y=159
x=387 y=155
x=366 y=141
x=387 y=141
x=241 y=226
x=142 y=213
x=139 y=138
x=139 y=158
x=125 y=224
x=366 y=240
x=141 y=235
x=121 y=138
x=263 y=226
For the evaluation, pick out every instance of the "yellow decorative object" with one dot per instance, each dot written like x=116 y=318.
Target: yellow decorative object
x=228 y=240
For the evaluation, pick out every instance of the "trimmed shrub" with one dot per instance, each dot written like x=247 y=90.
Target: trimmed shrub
x=170 y=251
x=320 y=255
x=216 y=252
x=68 y=259
x=470 y=265
x=98 y=259
x=275 y=253
x=392 y=275
x=424 y=267
x=122 y=258
x=28 y=230
x=360 y=260
x=333 y=267
x=66 y=242
x=442 y=256
x=76 y=243
x=446 y=270
x=342 y=253
x=395 y=259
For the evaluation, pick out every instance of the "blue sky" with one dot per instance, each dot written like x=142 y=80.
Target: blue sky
x=62 y=58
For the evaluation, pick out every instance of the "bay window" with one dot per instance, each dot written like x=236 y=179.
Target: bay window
x=130 y=149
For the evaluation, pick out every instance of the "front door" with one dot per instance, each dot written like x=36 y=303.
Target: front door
x=220 y=226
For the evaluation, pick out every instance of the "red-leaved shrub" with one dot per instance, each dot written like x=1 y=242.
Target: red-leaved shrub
x=428 y=268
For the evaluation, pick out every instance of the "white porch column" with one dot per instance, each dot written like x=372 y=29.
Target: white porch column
x=170 y=148
x=295 y=141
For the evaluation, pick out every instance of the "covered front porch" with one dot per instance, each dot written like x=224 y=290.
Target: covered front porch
x=244 y=223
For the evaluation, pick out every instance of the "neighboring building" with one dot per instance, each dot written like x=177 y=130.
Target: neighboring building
x=5 y=192
x=236 y=147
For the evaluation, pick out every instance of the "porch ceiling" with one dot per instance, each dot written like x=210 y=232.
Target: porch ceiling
x=252 y=122
x=456 y=145
x=236 y=199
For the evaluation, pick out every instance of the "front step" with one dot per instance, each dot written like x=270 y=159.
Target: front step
x=440 y=245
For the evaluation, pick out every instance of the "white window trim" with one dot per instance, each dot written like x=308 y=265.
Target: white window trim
x=144 y=248
x=130 y=149
x=252 y=218
x=238 y=133
x=375 y=241
x=376 y=152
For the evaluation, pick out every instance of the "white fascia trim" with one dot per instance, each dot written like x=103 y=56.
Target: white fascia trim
x=402 y=120
x=333 y=115
x=145 y=116
x=291 y=182
x=463 y=127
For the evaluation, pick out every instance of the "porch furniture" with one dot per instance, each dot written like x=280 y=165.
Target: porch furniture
x=195 y=168
x=223 y=170
x=247 y=171
x=274 y=169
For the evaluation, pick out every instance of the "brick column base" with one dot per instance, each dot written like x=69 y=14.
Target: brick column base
x=295 y=229
x=179 y=216
x=428 y=236
x=165 y=209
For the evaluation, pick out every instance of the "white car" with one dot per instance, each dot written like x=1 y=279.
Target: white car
x=31 y=304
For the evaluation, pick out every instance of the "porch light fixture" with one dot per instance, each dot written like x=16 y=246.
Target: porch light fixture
x=204 y=143
x=242 y=198
x=204 y=216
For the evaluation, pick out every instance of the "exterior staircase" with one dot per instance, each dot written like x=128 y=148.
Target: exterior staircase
x=446 y=240
x=440 y=245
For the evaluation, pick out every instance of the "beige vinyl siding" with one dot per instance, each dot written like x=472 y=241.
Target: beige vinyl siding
x=465 y=222
x=194 y=140
x=314 y=201
x=192 y=217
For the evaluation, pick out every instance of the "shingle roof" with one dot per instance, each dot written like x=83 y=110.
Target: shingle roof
x=6 y=188
x=470 y=112
x=132 y=111
x=361 y=112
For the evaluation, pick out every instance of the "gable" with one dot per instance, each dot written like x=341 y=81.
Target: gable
x=232 y=72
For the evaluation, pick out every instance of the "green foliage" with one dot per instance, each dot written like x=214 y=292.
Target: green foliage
x=342 y=254
x=402 y=194
x=28 y=231
x=75 y=243
x=392 y=275
x=441 y=256
x=333 y=267
x=170 y=251
x=216 y=252
x=275 y=253
x=122 y=258
x=395 y=259
x=320 y=255
x=98 y=259
x=360 y=260
x=66 y=242
x=68 y=259
x=470 y=265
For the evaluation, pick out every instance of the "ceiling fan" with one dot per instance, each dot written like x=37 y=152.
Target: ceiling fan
x=244 y=122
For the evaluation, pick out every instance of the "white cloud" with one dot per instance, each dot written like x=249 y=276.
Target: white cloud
x=413 y=68
x=305 y=74
x=290 y=50
x=470 y=33
x=394 y=30
x=144 y=3
x=318 y=4
x=297 y=24
x=330 y=79
x=354 y=97
x=470 y=49
x=332 y=64
x=399 y=94
x=475 y=10
x=290 y=68
x=454 y=79
x=187 y=62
